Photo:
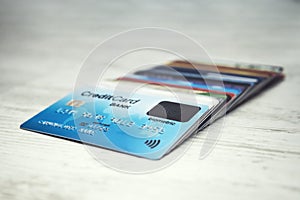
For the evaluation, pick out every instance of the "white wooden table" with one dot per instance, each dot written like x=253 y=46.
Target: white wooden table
x=42 y=46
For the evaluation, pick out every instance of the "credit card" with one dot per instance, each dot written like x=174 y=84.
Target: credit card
x=143 y=125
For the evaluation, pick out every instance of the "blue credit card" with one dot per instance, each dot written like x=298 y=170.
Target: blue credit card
x=192 y=74
x=197 y=84
x=137 y=124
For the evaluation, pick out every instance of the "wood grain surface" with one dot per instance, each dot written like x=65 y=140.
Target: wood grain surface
x=42 y=47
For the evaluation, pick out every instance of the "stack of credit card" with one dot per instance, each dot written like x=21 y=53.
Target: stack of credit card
x=150 y=111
